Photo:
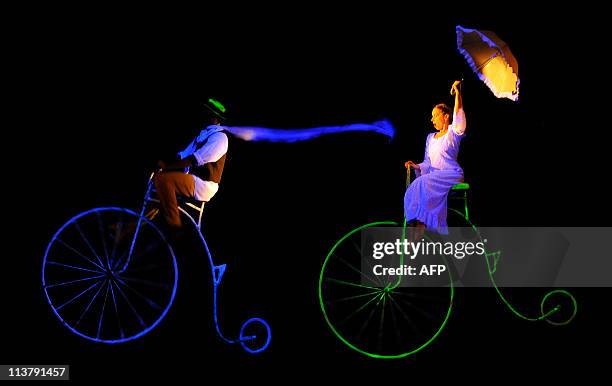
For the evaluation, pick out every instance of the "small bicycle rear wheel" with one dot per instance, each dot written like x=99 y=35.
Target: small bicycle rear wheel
x=255 y=335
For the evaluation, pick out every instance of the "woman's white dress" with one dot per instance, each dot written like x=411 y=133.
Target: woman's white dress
x=426 y=197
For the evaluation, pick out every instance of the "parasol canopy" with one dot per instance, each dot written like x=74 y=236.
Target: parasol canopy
x=491 y=59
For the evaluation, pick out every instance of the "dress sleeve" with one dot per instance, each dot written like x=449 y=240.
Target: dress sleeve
x=426 y=164
x=458 y=125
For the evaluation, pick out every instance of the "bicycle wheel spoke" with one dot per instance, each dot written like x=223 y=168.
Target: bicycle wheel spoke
x=103 y=238
x=76 y=224
x=117 y=312
x=359 y=272
x=79 y=253
x=133 y=243
x=146 y=250
x=394 y=318
x=374 y=297
x=421 y=297
x=419 y=310
x=73 y=281
x=382 y=320
x=149 y=301
x=146 y=282
x=142 y=323
x=102 y=313
x=358 y=250
x=408 y=319
x=79 y=295
x=119 y=261
x=118 y=231
x=90 y=303
x=350 y=284
x=365 y=324
x=73 y=267
x=353 y=297
x=379 y=279
x=143 y=268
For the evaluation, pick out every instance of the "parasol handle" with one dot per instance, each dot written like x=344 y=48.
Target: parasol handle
x=459 y=86
x=407 y=176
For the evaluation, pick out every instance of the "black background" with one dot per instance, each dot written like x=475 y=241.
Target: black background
x=100 y=93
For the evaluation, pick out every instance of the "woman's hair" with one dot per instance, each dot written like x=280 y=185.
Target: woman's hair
x=445 y=110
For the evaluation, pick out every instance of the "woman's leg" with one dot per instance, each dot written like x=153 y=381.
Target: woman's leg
x=415 y=230
x=420 y=230
x=426 y=200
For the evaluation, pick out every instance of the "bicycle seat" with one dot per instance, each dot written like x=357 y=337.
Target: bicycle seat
x=461 y=186
x=181 y=199
x=189 y=200
x=185 y=203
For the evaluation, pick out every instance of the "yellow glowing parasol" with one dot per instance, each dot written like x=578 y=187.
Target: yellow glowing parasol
x=491 y=60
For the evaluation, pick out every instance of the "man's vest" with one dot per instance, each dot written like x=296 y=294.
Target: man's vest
x=210 y=171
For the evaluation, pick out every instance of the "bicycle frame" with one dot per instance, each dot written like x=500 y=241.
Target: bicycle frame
x=217 y=271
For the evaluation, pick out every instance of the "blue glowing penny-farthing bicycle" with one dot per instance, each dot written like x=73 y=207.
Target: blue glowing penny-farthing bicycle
x=110 y=275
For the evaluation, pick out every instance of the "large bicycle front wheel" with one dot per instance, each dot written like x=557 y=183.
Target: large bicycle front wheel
x=109 y=277
x=373 y=315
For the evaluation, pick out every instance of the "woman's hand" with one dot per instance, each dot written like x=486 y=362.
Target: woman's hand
x=412 y=165
x=455 y=87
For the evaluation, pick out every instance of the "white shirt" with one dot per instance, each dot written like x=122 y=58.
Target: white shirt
x=216 y=146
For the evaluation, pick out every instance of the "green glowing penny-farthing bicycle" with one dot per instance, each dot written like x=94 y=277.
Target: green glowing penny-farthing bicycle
x=388 y=317
x=385 y=318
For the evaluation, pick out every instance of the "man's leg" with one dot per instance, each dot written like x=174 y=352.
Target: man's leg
x=167 y=186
